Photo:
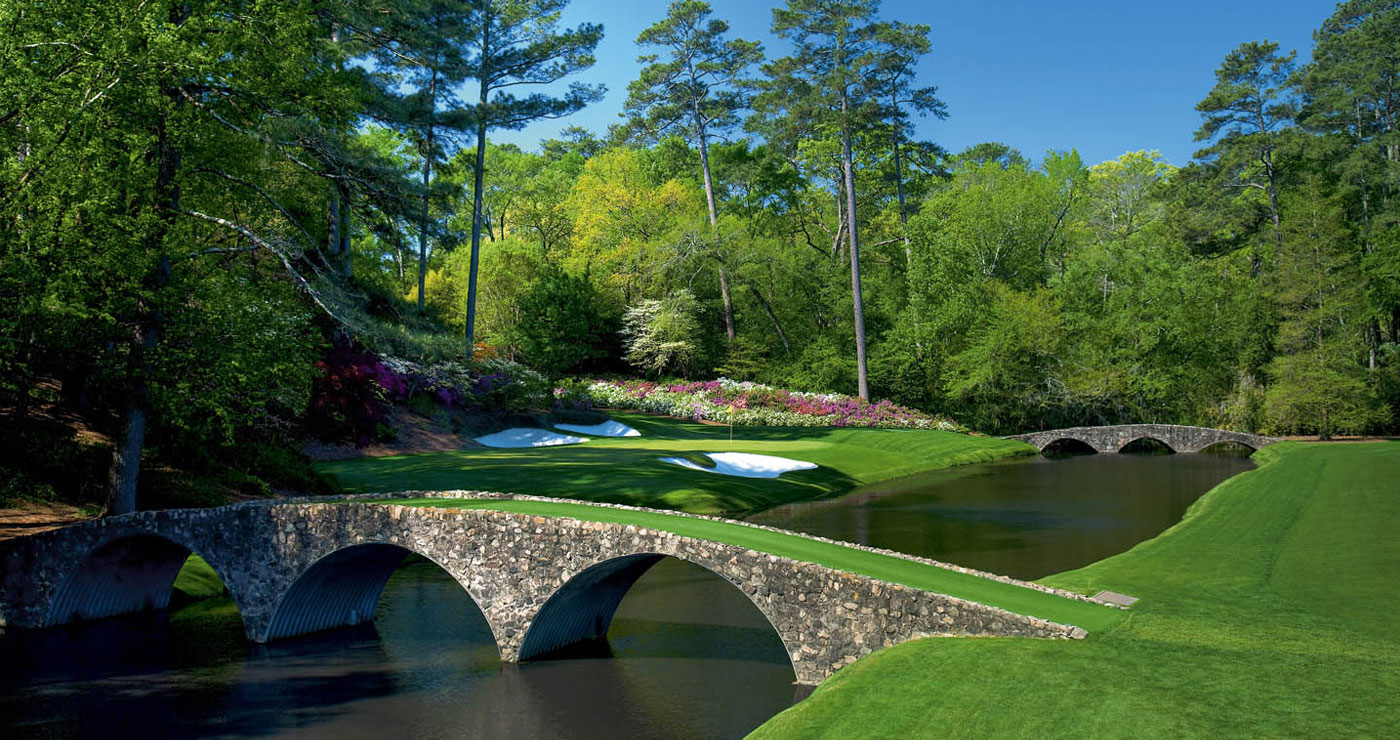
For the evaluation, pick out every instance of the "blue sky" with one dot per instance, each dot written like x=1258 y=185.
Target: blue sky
x=1104 y=77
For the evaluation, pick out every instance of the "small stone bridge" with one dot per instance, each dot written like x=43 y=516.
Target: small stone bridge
x=1115 y=438
x=542 y=583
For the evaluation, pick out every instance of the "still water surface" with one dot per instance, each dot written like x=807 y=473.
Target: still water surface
x=690 y=657
x=1027 y=517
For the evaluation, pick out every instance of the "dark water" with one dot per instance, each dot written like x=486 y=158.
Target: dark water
x=690 y=656
x=1027 y=517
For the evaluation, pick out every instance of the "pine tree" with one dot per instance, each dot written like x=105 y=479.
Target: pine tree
x=518 y=43
x=835 y=83
x=698 y=89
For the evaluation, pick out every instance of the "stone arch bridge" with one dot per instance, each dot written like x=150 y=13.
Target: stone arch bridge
x=542 y=583
x=1115 y=438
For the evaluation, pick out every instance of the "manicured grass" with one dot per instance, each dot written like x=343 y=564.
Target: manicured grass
x=197 y=580
x=1012 y=598
x=1271 y=610
x=627 y=471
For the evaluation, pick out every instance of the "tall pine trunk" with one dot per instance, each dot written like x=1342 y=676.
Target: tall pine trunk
x=423 y=222
x=899 y=188
x=126 y=458
x=478 y=181
x=848 y=169
x=427 y=178
x=702 y=138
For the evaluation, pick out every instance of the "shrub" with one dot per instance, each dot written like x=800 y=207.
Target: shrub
x=562 y=324
x=350 y=399
x=661 y=336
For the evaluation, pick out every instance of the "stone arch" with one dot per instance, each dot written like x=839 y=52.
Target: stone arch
x=1231 y=442
x=123 y=575
x=1171 y=447
x=1068 y=445
x=342 y=589
x=582 y=609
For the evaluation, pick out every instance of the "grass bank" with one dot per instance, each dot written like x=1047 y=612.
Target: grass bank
x=1271 y=610
x=1012 y=598
x=627 y=471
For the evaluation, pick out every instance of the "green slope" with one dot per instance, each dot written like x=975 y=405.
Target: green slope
x=1012 y=598
x=1271 y=610
x=627 y=470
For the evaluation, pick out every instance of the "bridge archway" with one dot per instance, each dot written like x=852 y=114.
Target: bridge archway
x=342 y=589
x=581 y=611
x=1067 y=447
x=1226 y=446
x=124 y=575
x=1146 y=446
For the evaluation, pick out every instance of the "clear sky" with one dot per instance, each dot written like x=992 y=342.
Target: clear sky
x=1104 y=77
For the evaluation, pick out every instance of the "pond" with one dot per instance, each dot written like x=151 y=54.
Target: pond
x=688 y=656
x=1025 y=517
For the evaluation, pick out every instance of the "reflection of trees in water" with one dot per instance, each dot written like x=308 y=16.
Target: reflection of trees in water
x=1027 y=518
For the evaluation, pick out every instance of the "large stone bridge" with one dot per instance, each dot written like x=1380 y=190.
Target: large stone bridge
x=1115 y=438
x=542 y=583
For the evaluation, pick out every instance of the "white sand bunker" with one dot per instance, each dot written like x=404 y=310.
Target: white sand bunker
x=606 y=429
x=744 y=464
x=525 y=437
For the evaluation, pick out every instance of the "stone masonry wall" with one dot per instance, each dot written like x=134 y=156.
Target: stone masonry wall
x=510 y=564
x=1114 y=438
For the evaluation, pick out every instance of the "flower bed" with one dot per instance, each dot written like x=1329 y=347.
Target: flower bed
x=351 y=398
x=753 y=404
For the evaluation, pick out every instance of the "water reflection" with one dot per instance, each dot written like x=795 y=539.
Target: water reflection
x=688 y=655
x=1027 y=518
x=691 y=658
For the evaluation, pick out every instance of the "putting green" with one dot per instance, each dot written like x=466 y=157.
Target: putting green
x=627 y=470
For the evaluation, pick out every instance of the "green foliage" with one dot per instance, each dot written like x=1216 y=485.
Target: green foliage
x=1319 y=386
x=1002 y=374
x=698 y=88
x=198 y=200
x=743 y=360
x=563 y=324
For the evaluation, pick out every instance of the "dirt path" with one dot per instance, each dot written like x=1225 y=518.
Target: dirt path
x=31 y=518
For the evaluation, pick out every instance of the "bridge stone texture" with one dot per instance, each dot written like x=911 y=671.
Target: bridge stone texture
x=1115 y=438
x=542 y=583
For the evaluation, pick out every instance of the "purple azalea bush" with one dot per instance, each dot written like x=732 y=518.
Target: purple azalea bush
x=350 y=401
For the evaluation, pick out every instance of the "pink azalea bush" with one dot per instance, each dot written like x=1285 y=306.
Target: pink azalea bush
x=753 y=404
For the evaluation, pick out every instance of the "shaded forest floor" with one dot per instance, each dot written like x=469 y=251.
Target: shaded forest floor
x=32 y=517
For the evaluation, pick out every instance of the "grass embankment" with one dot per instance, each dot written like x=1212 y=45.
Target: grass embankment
x=1271 y=610
x=627 y=471
x=1012 y=598
x=199 y=596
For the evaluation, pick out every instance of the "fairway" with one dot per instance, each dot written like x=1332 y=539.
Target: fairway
x=629 y=470
x=1006 y=596
x=1270 y=611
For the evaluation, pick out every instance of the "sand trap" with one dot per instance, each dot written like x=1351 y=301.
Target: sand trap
x=606 y=429
x=744 y=464
x=525 y=437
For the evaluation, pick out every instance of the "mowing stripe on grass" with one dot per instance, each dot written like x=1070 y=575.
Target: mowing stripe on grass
x=1012 y=598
